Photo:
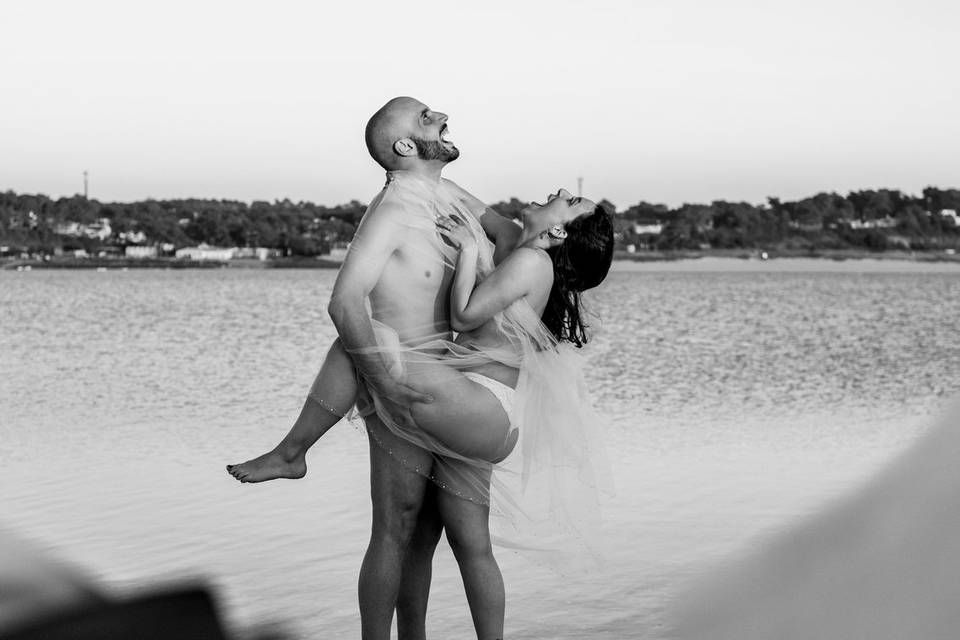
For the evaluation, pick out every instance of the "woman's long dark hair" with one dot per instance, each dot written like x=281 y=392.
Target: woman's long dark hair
x=580 y=263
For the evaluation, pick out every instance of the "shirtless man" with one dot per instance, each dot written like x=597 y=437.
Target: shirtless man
x=389 y=263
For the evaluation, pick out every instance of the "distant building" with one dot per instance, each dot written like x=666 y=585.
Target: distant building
x=206 y=252
x=68 y=229
x=99 y=230
x=134 y=251
x=951 y=213
x=260 y=253
x=133 y=237
x=654 y=229
x=879 y=223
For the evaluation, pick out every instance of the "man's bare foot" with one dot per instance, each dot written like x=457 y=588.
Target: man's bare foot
x=270 y=466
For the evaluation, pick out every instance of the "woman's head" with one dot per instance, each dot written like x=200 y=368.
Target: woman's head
x=586 y=253
x=580 y=262
x=559 y=209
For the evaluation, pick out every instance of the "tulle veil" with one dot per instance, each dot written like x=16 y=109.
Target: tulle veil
x=544 y=497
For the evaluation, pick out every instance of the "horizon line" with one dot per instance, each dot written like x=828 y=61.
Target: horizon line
x=641 y=201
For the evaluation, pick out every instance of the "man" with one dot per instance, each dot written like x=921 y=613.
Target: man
x=395 y=265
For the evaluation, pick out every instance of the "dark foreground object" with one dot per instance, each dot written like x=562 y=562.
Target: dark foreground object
x=882 y=564
x=183 y=614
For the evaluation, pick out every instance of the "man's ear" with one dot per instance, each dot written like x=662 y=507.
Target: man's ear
x=405 y=148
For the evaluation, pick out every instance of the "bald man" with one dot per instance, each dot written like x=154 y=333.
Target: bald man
x=393 y=264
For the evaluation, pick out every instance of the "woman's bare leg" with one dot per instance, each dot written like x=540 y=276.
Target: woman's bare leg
x=468 y=531
x=333 y=392
x=464 y=416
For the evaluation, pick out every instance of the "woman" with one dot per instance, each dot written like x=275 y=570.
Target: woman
x=565 y=248
x=501 y=380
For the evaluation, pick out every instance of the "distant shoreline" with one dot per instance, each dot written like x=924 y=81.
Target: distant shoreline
x=707 y=255
x=775 y=254
x=170 y=263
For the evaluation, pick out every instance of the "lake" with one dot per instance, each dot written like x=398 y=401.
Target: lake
x=742 y=397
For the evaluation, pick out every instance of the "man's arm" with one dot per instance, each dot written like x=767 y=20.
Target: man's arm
x=503 y=232
x=376 y=240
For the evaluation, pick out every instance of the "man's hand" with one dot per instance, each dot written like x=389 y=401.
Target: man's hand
x=397 y=397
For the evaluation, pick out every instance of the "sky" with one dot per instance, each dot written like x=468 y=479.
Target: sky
x=663 y=101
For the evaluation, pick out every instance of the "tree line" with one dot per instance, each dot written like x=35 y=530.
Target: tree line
x=301 y=228
x=872 y=219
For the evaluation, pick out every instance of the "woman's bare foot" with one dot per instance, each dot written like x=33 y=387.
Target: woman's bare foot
x=270 y=466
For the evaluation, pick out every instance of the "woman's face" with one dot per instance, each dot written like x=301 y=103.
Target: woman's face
x=559 y=209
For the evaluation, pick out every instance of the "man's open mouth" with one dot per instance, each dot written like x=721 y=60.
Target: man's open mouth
x=445 y=135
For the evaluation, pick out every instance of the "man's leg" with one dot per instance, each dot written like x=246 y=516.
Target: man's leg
x=418 y=570
x=396 y=493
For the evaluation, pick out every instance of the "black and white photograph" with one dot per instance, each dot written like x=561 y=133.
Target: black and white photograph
x=507 y=320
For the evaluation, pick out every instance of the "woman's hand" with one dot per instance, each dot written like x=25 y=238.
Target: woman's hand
x=456 y=231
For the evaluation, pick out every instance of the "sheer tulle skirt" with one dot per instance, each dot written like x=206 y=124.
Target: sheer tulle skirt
x=539 y=467
x=543 y=489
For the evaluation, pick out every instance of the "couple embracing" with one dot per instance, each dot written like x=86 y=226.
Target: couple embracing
x=455 y=326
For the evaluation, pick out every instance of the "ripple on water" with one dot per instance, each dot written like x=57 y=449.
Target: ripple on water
x=739 y=402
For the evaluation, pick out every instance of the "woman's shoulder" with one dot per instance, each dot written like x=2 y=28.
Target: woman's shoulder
x=531 y=258
x=529 y=265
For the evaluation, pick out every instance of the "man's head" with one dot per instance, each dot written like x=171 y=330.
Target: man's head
x=405 y=132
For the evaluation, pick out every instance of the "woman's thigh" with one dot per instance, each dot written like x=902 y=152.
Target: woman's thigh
x=464 y=416
x=335 y=386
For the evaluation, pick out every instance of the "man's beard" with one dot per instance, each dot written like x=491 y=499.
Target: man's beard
x=434 y=150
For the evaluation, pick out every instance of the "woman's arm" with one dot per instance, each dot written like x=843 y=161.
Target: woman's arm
x=464 y=282
x=472 y=304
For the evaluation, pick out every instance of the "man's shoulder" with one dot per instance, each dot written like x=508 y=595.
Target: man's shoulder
x=383 y=206
x=460 y=191
x=451 y=184
x=477 y=207
x=383 y=216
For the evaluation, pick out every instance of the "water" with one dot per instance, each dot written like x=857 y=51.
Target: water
x=740 y=401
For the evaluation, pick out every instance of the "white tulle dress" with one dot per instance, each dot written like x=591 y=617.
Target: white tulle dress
x=544 y=496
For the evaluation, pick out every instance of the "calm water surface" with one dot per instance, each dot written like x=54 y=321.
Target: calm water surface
x=740 y=400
